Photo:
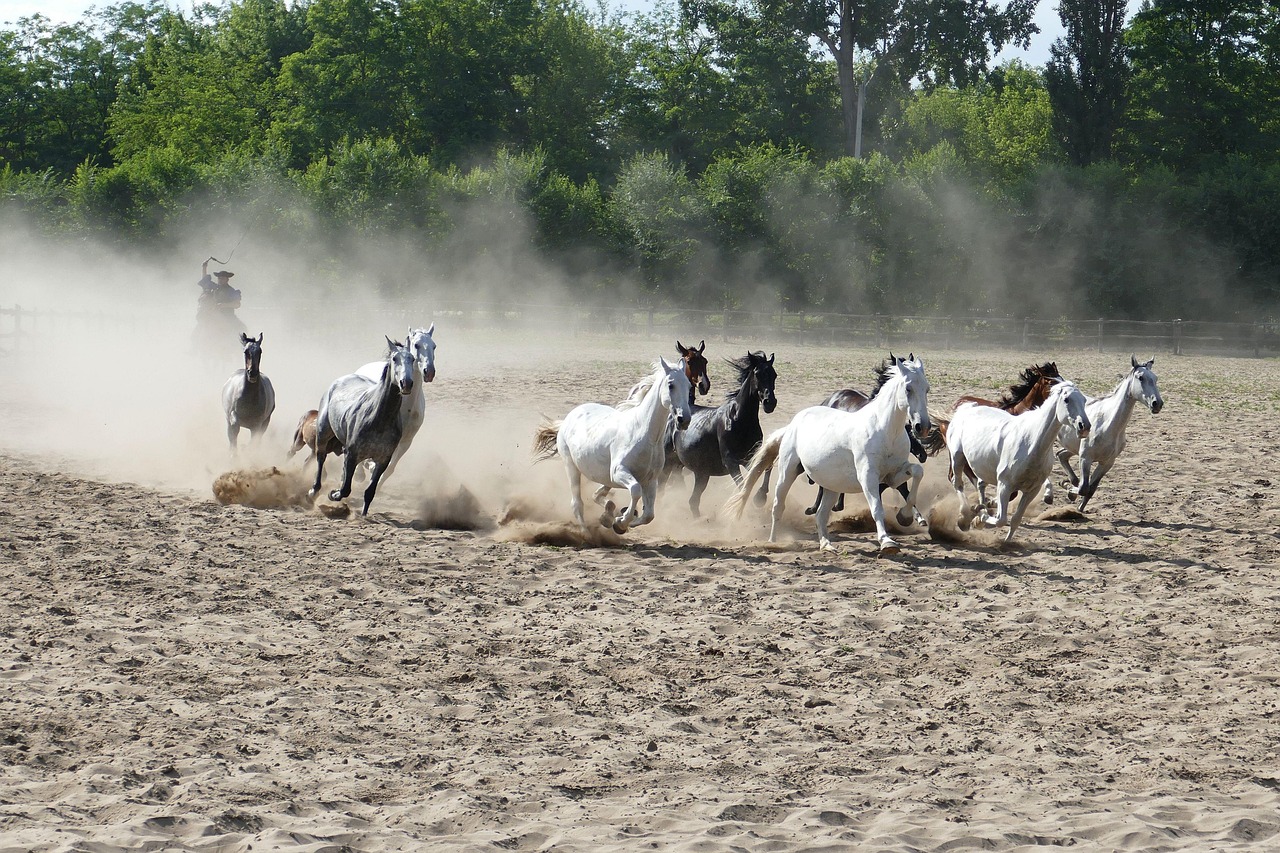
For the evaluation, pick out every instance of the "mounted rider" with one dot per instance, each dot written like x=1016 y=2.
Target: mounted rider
x=216 y=309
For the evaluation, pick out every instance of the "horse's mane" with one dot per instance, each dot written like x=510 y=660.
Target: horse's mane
x=637 y=392
x=883 y=373
x=1027 y=380
x=743 y=366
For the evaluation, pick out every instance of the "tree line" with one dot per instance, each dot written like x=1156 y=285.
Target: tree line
x=840 y=155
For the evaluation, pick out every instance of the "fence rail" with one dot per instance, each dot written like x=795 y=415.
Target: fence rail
x=19 y=327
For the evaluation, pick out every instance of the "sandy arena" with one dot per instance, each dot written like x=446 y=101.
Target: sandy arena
x=181 y=674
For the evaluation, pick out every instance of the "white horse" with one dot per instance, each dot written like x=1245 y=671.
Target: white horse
x=248 y=399
x=1109 y=415
x=361 y=417
x=413 y=406
x=849 y=452
x=1013 y=451
x=619 y=447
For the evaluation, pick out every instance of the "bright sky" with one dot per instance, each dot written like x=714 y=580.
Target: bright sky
x=63 y=11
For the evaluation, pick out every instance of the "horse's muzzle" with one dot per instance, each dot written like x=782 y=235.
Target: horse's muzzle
x=406 y=388
x=1156 y=406
x=769 y=404
x=921 y=429
x=429 y=374
x=1082 y=427
x=683 y=423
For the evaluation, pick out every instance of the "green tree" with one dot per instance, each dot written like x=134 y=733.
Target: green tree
x=1086 y=76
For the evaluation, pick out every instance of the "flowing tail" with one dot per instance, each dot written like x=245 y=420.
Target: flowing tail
x=763 y=460
x=936 y=440
x=544 y=441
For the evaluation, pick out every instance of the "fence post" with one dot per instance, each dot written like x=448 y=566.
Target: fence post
x=724 y=329
x=1026 y=331
x=1101 y=326
x=651 y=322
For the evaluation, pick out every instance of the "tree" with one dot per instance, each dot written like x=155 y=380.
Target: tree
x=935 y=43
x=1086 y=76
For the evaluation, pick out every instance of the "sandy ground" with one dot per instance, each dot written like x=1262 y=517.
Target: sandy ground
x=180 y=674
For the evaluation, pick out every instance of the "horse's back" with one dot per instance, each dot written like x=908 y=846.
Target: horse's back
x=340 y=407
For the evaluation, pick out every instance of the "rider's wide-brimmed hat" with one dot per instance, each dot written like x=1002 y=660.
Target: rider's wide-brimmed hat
x=221 y=273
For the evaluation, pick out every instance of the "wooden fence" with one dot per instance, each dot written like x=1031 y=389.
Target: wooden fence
x=21 y=327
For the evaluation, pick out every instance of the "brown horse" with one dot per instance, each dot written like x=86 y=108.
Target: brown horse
x=695 y=367
x=304 y=435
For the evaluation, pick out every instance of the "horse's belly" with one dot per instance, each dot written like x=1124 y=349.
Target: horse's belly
x=830 y=466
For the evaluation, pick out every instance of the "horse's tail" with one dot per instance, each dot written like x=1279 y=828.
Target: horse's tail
x=304 y=434
x=762 y=461
x=544 y=441
x=936 y=440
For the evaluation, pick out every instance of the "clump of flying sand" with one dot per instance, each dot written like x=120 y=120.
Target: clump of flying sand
x=1062 y=513
x=524 y=520
x=459 y=511
x=263 y=488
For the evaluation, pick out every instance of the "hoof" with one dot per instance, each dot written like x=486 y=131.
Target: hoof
x=1048 y=500
x=759 y=499
x=336 y=495
x=825 y=545
x=619 y=528
x=810 y=510
x=888 y=548
x=905 y=520
x=607 y=517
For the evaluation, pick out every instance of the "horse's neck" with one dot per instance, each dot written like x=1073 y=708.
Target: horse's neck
x=1042 y=428
x=1118 y=406
x=748 y=400
x=649 y=413
x=884 y=409
x=388 y=393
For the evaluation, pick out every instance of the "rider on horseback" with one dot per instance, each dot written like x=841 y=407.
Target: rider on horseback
x=216 y=312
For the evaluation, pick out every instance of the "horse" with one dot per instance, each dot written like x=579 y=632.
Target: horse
x=362 y=417
x=1109 y=415
x=248 y=399
x=1013 y=451
x=850 y=400
x=849 y=451
x=721 y=439
x=304 y=435
x=695 y=370
x=1029 y=392
x=619 y=446
x=413 y=406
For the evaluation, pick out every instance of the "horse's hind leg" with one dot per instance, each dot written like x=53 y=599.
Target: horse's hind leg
x=826 y=500
x=764 y=489
x=575 y=492
x=788 y=470
x=810 y=510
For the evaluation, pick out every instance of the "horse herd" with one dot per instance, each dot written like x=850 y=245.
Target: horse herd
x=854 y=441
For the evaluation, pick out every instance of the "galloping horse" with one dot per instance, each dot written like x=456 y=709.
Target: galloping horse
x=619 y=446
x=695 y=370
x=1012 y=451
x=1029 y=392
x=720 y=440
x=850 y=400
x=247 y=396
x=413 y=406
x=362 y=417
x=848 y=451
x=1105 y=442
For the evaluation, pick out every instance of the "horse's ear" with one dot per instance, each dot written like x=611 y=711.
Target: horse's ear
x=260 y=334
x=702 y=347
x=680 y=348
x=1133 y=359
x=664 y=364
x=431 y=329
x=1150 y=363
x=391 y=345
x=771 y=355
x=244 y=339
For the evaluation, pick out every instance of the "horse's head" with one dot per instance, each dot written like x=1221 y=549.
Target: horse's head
x=252 y=356
x=1068 y=405
x=423 y=347
x=400 y=366
x=764 y=377
x=913 y=395
x=695 y=367
x=1143 y=386
x=676 y=392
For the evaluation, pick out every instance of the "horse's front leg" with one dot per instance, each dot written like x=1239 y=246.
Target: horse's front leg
x=321 y=453
x=378 y=473
x=870 y=483
x=700 y=481
x=958 y=467
x=1091 y=480
x=1003 y=492
x=233 y=435
x=649 y=491
x=625 y=479
x=1064 y=459
x=810 y=510
x=348 y=471
x=909 y=514
x=1023 y=502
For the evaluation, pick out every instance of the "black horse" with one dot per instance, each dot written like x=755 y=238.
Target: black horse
x=720 y=440
x=850 y=400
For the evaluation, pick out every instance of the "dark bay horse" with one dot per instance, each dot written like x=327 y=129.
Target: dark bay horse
x=362 y=417
x=720 y=440
x=851 y=400
x=695 y=368
x=248 y=399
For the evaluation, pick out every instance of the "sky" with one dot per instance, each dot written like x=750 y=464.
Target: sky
x=63 y=11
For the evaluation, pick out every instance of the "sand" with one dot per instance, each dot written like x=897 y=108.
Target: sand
x=180 y=674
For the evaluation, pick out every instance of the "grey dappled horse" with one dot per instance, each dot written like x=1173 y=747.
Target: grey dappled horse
x=247 y=396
